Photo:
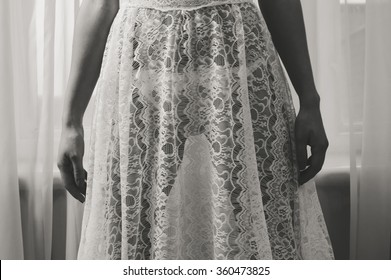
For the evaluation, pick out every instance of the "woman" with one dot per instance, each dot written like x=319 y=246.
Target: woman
x=196 y=150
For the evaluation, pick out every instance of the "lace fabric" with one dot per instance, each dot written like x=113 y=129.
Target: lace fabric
x=192 y=153
x=180 y=4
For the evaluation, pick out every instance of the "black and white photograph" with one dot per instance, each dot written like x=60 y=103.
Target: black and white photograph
x=195 y=130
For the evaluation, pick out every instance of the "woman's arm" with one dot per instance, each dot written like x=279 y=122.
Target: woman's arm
x=91 y=31
x=285 y=22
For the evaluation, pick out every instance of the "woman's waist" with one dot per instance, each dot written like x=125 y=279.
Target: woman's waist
x=179 y=4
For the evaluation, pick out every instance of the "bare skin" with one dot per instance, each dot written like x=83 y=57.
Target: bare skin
x=285 y=21
x=92 y=28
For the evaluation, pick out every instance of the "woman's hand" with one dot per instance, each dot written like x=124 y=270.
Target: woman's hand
x=91 y=31
x=70 y=161
x=309 y=131
x=285 y=22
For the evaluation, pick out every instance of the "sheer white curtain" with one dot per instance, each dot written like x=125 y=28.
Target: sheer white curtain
x=352 y=67
x=11 y=246
x=374 y=191
x=36 y=43
x=349 y=44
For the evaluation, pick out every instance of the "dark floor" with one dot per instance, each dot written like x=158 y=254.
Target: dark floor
x=334 y=196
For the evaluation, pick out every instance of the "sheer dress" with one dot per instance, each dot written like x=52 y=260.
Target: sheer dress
x=192 y=148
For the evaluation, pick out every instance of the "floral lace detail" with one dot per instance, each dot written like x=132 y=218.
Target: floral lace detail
x=180 y=4
x=192 y=148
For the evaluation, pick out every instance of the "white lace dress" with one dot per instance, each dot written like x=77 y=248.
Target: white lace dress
x=192 y=153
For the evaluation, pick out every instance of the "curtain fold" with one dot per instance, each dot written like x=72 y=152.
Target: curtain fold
x=25 y=90
x=43 y=166
x=37 y=46
x=374 y=193
x=11 y=243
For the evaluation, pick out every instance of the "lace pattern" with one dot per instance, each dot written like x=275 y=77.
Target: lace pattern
x=180 y=4
x=192 y=148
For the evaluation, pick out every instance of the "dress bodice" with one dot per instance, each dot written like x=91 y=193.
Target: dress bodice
x=179 y=4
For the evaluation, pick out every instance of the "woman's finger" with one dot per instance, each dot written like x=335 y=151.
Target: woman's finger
x=67 y=176
x=301 y=152
x=315 y=165
x=84 y=188
x=79 y=173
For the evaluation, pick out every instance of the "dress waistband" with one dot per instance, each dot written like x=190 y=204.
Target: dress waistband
x=180 y=4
